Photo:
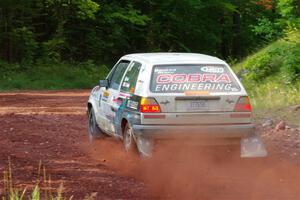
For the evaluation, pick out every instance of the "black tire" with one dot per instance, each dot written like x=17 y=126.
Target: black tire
x=128 y=140
x=93 y=129
x=136 y=147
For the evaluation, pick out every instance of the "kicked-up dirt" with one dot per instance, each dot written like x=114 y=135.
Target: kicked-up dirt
x=51 y=127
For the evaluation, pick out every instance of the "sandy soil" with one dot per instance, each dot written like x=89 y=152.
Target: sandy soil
x=52 y=127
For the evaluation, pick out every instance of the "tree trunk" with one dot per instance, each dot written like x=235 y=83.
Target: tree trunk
x=223 y=44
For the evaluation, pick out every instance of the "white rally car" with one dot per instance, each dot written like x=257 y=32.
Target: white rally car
x=152 y=96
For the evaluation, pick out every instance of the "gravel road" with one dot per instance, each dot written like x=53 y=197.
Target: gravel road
x=51 y=126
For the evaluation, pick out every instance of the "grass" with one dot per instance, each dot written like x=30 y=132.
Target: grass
x=41 y=190
x=50 y=76
x=276 y=101
x=274 y=95
x=271 y=78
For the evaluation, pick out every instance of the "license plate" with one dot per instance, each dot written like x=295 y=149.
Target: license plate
x=188 y=105
x=197 y=104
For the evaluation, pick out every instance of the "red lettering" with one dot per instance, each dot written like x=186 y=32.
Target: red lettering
x=223 y=78
x=209 y=77
x=179 y=78
x=163 y=78
x=194 y=78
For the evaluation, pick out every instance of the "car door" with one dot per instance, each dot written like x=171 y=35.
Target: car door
x=127 y=90
x=109 y=100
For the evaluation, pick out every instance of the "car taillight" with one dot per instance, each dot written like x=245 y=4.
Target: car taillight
x=243 y=105
x=149 y=105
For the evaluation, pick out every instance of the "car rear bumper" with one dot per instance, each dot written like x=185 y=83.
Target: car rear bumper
x=191 y=131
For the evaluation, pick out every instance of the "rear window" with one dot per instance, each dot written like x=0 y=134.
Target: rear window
x=183 y=78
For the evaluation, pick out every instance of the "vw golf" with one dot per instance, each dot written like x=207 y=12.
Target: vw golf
x=148 y=97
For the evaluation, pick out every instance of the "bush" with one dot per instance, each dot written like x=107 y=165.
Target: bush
x=272 y=75
x=281 y=57
x=292 y=58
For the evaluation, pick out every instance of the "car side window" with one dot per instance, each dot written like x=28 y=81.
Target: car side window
x=118 y=73
x=130 y=78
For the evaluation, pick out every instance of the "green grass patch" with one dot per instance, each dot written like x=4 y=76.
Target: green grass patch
x=272 y=77
x=50 y=76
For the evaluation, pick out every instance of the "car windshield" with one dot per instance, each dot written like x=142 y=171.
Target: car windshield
x=183 y=78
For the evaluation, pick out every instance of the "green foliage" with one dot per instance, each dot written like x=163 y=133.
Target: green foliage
x=52 y=49
x=267 y=29
x=25 y=45
x=52 y=76
x=272 y=75
x=37 y=32
x=288 y=12
x=280 y=57
x=287 y=9
x=80 y=30
x=86 y=9
x=292 y=60
x=35 y=195
x=273 y=94
x=131 y=16
x=83 y=9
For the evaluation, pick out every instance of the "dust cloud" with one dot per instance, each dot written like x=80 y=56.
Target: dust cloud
x=183 y=170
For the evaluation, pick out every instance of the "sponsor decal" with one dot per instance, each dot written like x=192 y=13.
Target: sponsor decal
x=124 y=95
x=193 y=87
x=126 y=85
x=196 y=93
x=132 y=104
x=193 y=78
x=105 y=96
x=164 y=70
x=132 y=89
x=139 y=86
x=212 y=69
x=118 y=101
x=178 y=79
x=126 y=78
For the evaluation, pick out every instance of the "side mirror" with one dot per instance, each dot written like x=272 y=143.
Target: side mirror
x=103 y=83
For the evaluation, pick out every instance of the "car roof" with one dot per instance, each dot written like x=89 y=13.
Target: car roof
x=170 y=58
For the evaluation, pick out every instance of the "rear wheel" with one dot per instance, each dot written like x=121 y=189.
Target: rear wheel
x=145 y=146
x=142 y=146
x=94 y=130
x=128 y=140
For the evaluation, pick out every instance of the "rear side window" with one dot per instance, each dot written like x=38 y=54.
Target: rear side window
x=183 y=78
x=130 y=78
x=118 y=74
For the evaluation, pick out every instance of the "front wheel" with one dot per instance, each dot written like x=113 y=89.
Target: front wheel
x=94 y=130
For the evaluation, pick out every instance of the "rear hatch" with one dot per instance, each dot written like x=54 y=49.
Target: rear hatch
x=196 y=94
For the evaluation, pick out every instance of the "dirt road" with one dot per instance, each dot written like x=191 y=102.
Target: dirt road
x=52 y=127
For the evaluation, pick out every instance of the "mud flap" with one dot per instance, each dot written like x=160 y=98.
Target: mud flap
x=145 y=146
x=252 y=147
